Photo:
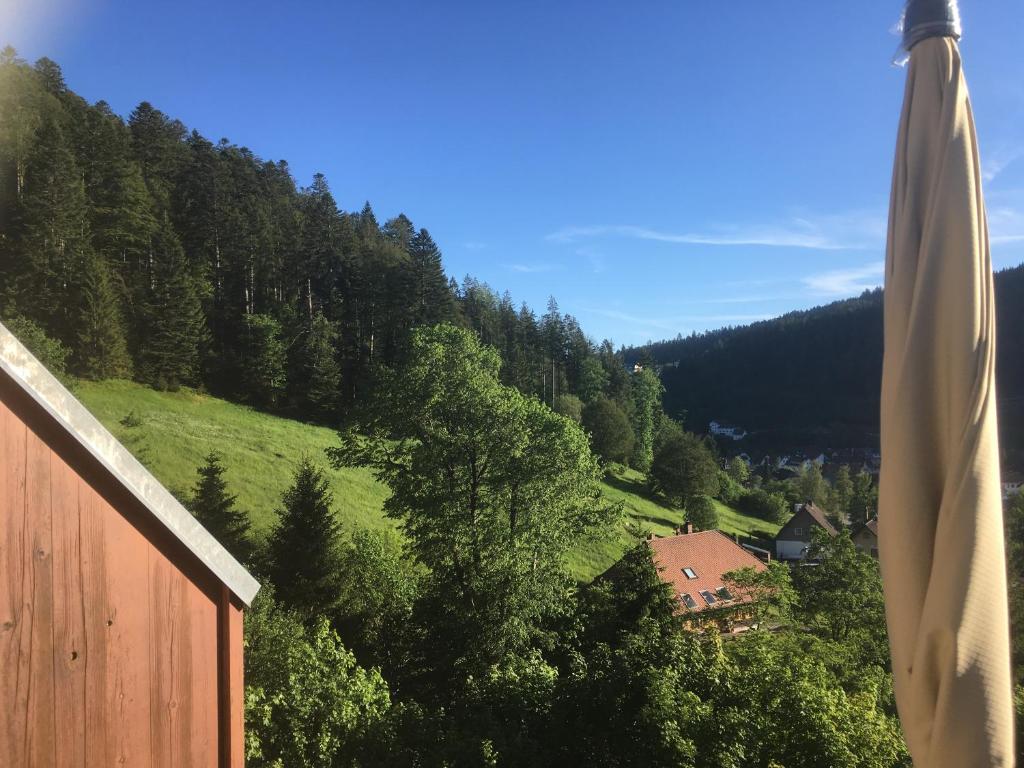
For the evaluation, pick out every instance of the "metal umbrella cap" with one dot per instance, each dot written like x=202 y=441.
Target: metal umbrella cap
x=929 y=18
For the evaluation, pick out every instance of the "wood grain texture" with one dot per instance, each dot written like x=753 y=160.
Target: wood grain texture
x=232 y=684
x=114 y=645
x=126 y=621
x=37 y=630
x=69 y=606
x=13 y=663
x=95 y=609
x=205 y=709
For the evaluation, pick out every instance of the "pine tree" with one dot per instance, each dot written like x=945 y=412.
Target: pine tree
x=263 y=361
x=316 y=389
x=303 y=558
x=158 y=145
x=101 y=351
x=215 y=509
x=432 y=294
x=174 y=327
x=50 y=75
x=52 y=232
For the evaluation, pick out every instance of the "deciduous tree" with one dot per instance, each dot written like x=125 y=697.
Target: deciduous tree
x=491 y=488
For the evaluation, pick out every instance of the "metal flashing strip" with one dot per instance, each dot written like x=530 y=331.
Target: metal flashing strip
x=19 y=364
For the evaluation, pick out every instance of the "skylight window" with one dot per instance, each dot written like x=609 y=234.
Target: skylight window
x=689 y=573
x=724 y=593
x=688 y=601
x=708 y=597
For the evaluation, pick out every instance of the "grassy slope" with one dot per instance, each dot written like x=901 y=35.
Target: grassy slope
x=259 y=452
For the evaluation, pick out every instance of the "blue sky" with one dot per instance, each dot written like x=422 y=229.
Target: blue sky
x=659 y=167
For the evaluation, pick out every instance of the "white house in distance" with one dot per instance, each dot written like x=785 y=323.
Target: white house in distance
x=794 y=537
x=720 y=430
x=1013 y=483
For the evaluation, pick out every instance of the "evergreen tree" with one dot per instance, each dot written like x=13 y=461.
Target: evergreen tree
x=432 y=299
x=157 y=144
x=101 y=351
x=50 y=75
x=593 y=379
x=263 y=361
x=303 y=553
x=173 y=327
x=120 y=208
x=215 y=509
x=316 y=387
x=52 y=233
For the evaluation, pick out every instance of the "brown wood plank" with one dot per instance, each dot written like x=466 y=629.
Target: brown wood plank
x=232 y=684
x=69 y=648
x=170 y=654
x=40 y=726
x=127 y=626
x=13 y=664
x=95 y=610
x=203 y=684
x=161 y=630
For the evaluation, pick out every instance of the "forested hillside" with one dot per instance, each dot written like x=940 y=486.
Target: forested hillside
x=156 y=254
x=816 y=374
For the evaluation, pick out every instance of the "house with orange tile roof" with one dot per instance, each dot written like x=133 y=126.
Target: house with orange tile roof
x=694 y=563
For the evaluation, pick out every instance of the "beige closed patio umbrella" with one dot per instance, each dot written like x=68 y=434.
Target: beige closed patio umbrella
x=940 y=509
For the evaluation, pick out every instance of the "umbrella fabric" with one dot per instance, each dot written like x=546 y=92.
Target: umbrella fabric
x=940 y=511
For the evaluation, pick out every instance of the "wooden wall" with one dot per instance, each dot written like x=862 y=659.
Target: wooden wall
x=117 y=648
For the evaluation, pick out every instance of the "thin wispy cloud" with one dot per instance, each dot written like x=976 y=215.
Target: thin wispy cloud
x=1005 y=225
x=675 y=323
x=531 y=268
x=845 y=282
x=746 y=299
x=997 y=161
x=848 y=231
x=597 y=260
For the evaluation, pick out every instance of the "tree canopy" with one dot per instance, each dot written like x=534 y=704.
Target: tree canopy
x=490 y=487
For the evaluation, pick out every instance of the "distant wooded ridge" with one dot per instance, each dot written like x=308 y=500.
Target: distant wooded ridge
x=815 y=375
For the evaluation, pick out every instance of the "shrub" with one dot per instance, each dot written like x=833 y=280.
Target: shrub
x=701 y=511
x=611 y=436
x=765 y=505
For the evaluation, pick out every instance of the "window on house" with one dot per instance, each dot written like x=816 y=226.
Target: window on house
x=724 y=593
x=690 y=573
x=688 y=601
x=708 y=597
x=798 y=531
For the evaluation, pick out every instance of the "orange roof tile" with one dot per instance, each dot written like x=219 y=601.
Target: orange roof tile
x=708 y=554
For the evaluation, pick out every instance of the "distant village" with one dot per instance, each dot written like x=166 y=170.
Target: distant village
x=697 y=564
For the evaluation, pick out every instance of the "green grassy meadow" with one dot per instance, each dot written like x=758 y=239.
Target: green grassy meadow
x=171 y=433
